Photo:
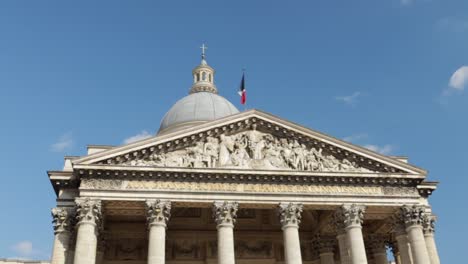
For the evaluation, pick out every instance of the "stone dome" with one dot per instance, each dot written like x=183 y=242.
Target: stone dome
x=196 y=108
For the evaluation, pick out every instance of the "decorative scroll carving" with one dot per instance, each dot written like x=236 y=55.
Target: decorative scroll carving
x=185 y=249
x=350 y=214
x=159 y=212
x=62 y=219
x=88 y=210
x=290 y=213
x=254 y=249
x=225 y=213
x=412 y=215
x=249 y=150
x=429 y=224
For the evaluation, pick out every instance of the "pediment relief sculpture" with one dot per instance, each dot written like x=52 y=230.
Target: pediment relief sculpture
x=250 y=150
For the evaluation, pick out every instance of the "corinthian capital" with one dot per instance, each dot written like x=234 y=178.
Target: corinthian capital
x=429 y=224
x=62 y=219
x=290 y=213
x=412 y=215
x=88 y=211
x=225 y=213
x=158 y=211
x=350 y=214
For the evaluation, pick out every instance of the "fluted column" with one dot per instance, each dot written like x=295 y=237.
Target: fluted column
x=158 y=213
x=225 y=214
x=325 y=246
x=428 y=228
x=290 y=218
x=378 y=248
x=88 y=215
x=413 y=218
x=62 y=221
x=352 y=217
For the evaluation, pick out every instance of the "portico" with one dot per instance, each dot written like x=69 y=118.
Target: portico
x=245 y=187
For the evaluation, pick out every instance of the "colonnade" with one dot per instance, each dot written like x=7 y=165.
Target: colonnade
x=413 y=232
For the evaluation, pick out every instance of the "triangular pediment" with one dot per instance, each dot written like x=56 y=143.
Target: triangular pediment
x=252 y=140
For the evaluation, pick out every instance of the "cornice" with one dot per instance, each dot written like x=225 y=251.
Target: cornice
x=245 y=176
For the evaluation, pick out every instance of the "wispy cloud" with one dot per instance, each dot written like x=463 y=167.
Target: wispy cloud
x=356 y=137
x=140 y=136
x=25 y=250
x=385 y=150
x=452 y=24
x=349 y=99
x=63 y=143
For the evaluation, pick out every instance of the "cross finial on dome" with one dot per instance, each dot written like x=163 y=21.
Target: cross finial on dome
x=203 y=55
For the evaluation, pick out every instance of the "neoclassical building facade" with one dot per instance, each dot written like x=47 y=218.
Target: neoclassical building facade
x=216 y=185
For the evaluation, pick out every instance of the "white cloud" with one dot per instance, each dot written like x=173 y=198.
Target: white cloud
x=356 y=137
x=140 y=136
x=23 y=248
x=459 y=79
x=64 y=142
x=349 y=99
x=385 y=150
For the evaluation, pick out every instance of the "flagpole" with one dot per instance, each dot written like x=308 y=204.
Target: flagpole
x=243 y=74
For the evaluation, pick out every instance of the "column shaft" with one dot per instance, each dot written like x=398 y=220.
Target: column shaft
x=343 y=247
x=86 y=243
x=356 y=243
x=292 y=247
x=60 y=249
x=404 y=249
x=432 y=248
x=226 y=253
x=327 y=258
x=418 y=244
x=157 y=244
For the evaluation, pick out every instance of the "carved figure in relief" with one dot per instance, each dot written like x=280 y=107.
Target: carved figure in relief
x=250 y=150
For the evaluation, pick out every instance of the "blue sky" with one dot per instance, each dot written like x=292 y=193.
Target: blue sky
x=390 y=75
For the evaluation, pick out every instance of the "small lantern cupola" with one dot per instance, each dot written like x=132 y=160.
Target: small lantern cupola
x=203 y=76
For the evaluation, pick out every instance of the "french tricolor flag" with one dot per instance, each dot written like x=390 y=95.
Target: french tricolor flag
x=242 y=91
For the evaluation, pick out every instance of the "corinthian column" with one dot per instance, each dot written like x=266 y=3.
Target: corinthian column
x=352 y=217
x=404 y=248
x=62 y=218
x=290 y=218
x=88 y=215
x=413 y=217
x=224 y=214
x=428 y=228
x=158 y=213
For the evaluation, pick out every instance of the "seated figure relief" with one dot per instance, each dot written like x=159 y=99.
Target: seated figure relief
x=250 y=150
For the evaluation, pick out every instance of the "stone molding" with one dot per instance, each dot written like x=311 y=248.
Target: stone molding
x=429 y=224
x=413 y=215
x=290 y=214
x=62 y=219
x=351 y=215
x=88 y=211
x=225 y=213
x=158 y=212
